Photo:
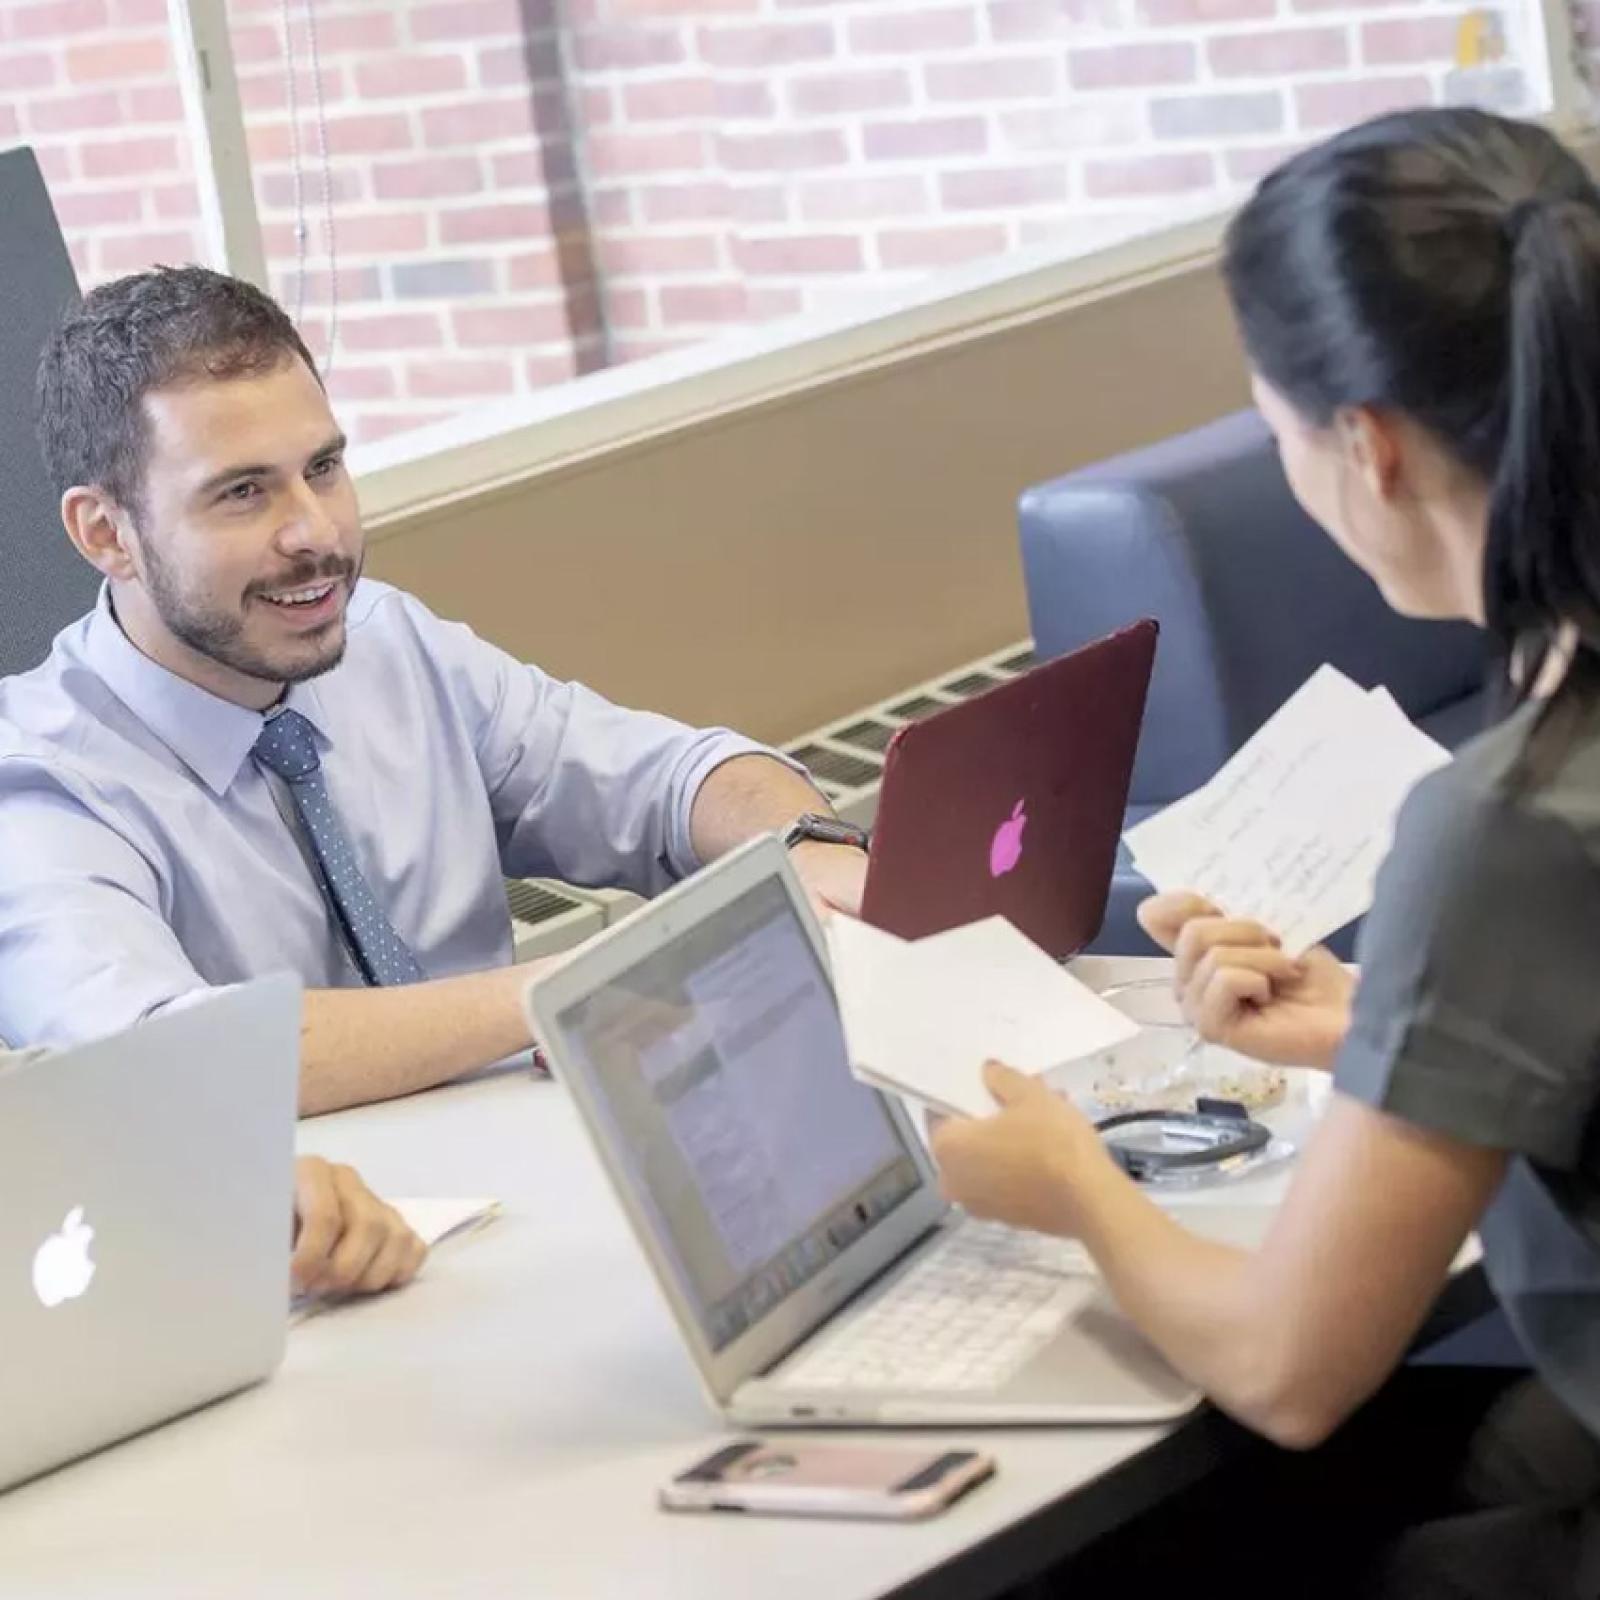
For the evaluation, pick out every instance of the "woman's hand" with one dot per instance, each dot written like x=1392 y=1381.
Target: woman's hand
x=1021 y=1165
x=1239 y=989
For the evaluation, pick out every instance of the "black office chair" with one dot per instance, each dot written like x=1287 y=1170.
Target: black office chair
x=44 y=582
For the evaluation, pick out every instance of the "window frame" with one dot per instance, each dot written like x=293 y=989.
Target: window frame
x=203 y=53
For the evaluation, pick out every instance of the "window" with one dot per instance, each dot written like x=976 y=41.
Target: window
x=417 y=184
x=466 y=202
x=91 y=85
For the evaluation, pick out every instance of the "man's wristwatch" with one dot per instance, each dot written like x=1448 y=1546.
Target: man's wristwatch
x=826 y=830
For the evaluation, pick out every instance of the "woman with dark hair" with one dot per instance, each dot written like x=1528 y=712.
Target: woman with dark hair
x=1419 y=300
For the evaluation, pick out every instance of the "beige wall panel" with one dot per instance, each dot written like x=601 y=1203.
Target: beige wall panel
x=777 y=568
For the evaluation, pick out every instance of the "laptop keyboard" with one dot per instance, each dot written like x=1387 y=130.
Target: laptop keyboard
x=972 y=1312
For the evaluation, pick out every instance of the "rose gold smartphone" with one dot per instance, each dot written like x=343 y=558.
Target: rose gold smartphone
x=827 y=1480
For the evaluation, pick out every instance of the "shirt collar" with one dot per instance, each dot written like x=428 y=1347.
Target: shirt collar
x=210 y=735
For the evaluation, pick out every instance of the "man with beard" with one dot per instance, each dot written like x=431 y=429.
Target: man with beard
x=247 y=758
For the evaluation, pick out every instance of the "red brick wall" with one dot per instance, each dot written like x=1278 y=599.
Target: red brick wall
x=758 y=156
x=512 y=206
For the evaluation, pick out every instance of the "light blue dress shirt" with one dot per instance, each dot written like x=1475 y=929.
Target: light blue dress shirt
x=145 y=856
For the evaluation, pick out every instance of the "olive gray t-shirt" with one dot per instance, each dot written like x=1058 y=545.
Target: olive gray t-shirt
x=1478 y=1016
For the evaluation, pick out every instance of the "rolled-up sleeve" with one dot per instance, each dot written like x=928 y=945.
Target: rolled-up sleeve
x=581 y=789
x=84 y=946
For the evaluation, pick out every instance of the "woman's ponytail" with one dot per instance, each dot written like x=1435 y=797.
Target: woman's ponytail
x=1542 y=556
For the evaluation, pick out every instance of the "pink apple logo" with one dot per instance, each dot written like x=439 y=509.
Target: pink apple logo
x=1006 y=851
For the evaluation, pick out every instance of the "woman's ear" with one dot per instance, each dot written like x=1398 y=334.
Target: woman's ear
x=1373 y=450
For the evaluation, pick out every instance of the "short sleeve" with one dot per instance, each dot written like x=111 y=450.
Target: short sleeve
x=1478 y=1010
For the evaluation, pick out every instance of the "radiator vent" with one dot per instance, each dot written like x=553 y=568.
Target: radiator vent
x=971 y=683
x=846 y=758
x=917 y=707
x=533 y=903
x=868 y=735
x=548 y=917
x=835 y=766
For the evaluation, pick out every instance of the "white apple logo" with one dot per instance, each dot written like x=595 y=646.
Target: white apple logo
x=61 y=1267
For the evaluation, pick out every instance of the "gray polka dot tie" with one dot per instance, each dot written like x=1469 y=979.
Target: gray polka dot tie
x=286 y=747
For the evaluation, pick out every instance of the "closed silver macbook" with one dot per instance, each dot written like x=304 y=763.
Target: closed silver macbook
x=146 y=1229
x=790 y=1213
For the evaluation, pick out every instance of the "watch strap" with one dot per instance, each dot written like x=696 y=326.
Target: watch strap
x=825 y=830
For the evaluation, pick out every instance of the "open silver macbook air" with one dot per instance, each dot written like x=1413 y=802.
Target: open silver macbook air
x=791 y=1214
x=145 y=1234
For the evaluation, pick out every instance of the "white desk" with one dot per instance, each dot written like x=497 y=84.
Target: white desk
x=499 y=1428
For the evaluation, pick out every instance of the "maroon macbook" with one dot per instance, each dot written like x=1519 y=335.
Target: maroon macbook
x=1012 y=802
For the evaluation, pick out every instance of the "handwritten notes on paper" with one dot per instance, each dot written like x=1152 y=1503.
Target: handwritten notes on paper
x=1292 y=830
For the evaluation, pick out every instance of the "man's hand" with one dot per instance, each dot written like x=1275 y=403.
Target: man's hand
x=347 y=1241
x=1240 y=990
x=1021 y=1165
x=834 y=874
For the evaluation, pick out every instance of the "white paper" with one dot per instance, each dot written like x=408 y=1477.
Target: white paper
x=1292 y=830
x=921 y=1017
x=439 y=1219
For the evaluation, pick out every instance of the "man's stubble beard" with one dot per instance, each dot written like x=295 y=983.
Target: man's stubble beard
x=220 y=637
